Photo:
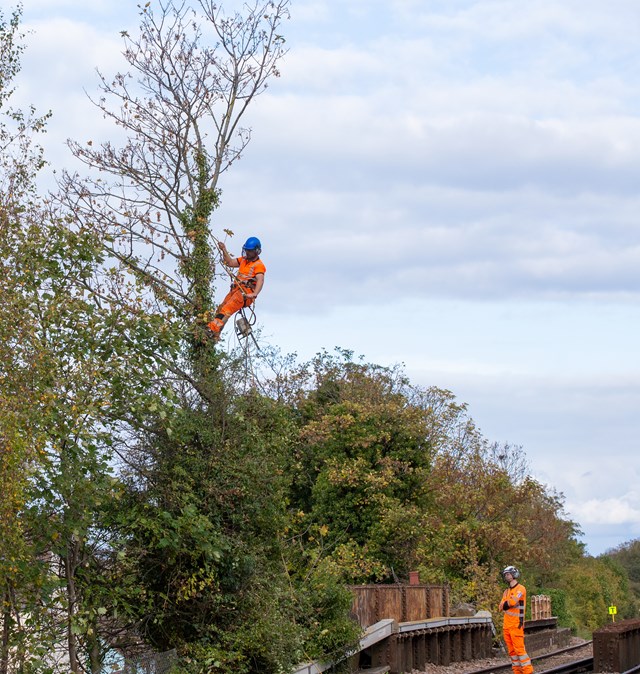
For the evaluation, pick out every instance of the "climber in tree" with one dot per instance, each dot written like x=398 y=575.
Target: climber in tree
x=246 y=285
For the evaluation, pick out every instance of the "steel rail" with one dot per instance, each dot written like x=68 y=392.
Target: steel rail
x=543 y=656
x=583 y=665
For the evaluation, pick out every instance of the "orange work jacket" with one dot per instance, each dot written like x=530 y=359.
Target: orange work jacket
x=516 y=597
x=246 y=276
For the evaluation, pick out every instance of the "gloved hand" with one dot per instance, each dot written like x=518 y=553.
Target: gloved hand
x=520 y=623
x=505 y=606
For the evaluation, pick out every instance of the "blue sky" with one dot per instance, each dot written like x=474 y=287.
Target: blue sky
x=452 y=185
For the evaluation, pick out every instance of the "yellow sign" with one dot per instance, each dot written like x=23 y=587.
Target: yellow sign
x=613 y=610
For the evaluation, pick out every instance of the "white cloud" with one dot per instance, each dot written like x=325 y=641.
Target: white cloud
x=609 y=511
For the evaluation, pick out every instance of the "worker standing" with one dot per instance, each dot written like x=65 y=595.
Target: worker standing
x=246 y=285
x=513 y=603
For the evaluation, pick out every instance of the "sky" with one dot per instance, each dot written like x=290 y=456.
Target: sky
x=447 y=184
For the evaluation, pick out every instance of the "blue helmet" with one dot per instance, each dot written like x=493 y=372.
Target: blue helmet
x=252 y=243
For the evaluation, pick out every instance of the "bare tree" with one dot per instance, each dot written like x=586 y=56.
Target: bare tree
x=193 y=74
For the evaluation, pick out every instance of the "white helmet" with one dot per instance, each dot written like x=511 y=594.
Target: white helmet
x=512 y=570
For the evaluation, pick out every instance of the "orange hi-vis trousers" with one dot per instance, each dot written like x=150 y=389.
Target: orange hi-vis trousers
x=514 y=641
x=234 y=301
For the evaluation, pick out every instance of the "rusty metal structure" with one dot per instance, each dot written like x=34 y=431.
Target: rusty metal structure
x=616 y=647
x=544 y=635
x=402 y=603
x=418 y=627
x=438 y=640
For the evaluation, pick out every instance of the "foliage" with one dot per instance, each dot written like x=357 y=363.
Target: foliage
x=63 y=370
x=64 y=359
x=24 y=400
x=361 y=458
x=627 y=556
x=399 y=478
x=206 y=541
x=392 y=478
x=591 y=586
x=559 y=607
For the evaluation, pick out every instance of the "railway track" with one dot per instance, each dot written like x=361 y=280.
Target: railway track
x=582 y=664
x=573 y=667
x=576 y=666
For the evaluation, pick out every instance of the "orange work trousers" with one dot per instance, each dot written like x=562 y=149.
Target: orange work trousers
x=234 y=301
x=514 y=641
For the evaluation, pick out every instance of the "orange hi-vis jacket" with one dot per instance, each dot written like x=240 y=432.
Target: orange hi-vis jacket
x=516 y=597
x=247 y=272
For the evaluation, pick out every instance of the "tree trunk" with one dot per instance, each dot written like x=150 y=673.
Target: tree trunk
x=6 y=619
x=70 y=565
x=20 y=650
x=94 y=652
